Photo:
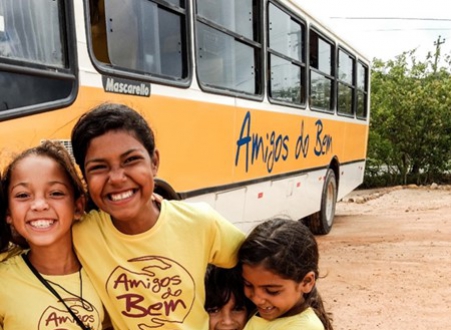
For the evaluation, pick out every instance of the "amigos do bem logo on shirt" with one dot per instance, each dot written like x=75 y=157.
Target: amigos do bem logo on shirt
x=59 y=317
x=167 y=286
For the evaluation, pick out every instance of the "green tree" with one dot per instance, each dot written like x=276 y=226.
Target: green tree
x=410 y=127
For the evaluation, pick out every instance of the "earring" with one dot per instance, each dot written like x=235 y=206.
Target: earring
x=78 y=214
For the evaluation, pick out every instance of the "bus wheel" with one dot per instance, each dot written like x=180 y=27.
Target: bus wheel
x=320 y=223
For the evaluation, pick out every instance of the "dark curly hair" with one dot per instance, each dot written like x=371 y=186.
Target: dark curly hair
x=5 y=231
x=52 y=150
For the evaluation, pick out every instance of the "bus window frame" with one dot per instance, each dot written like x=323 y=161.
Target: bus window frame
x=67 y=16
x=303 y=65
x=332 y=76
x=339 y=81
x=259 y=48
x=365 y=89
x=109 y=70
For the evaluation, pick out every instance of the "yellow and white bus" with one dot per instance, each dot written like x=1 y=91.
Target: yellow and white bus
x=258 y=108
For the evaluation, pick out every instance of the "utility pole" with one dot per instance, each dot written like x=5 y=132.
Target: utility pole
x=437 y=45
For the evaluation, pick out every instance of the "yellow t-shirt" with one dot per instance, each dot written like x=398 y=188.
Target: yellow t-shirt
x=155 y=280
x=25 y=303
x=307 y=320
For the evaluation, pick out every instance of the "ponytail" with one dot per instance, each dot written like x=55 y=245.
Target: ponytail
x=314 y=300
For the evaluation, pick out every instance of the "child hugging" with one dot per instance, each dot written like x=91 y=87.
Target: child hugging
x=44 y=286
x=279 y=262
x=146 y=256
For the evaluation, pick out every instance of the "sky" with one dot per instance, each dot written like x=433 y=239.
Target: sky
x=386 y=38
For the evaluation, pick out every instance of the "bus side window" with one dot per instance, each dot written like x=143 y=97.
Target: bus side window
x=313 y=51
x=228 y=45
x=23 y=19
x=4 y=46
x=321 y=72
x=98 y=30
x=36 y=69
x=346 y=83
x=122 y=33
x=140 y=36
x=362 y=91
x=286 y=56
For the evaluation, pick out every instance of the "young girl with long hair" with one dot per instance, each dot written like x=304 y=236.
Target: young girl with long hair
x=279 y=262
x=44 y=287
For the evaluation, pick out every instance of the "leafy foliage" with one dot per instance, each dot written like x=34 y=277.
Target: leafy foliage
x=410 y=126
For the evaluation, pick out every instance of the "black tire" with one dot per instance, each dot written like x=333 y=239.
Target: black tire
x=320 y=223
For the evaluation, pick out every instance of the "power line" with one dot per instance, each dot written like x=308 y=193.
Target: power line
x=415 y=29
x=394 y=18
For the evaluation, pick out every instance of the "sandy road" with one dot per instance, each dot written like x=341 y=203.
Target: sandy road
x=387 y=261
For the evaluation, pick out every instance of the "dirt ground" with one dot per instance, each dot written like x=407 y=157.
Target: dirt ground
x=387 y=260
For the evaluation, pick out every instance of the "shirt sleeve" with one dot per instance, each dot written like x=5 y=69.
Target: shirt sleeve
x=226 y=241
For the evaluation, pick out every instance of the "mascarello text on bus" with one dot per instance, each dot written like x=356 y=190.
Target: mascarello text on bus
x=258 y=108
